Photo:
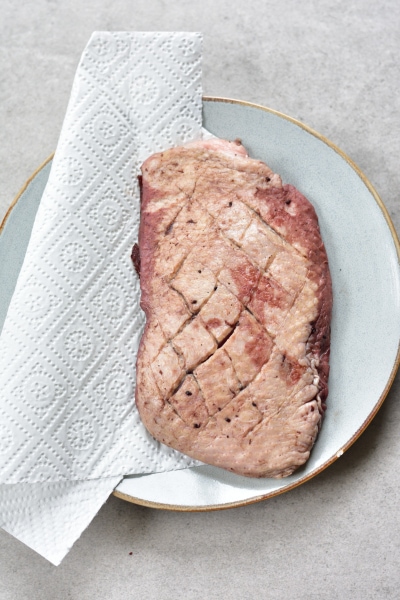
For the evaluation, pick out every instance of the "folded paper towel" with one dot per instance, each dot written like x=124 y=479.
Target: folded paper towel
x=67 y=350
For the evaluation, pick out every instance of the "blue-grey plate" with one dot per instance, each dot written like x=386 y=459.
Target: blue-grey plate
x=363 y=251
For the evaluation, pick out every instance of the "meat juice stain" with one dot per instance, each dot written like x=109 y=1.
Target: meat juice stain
x=135 y=256
x=257 y=350
x=271 y=292
x=214 y=322
x=245 y=278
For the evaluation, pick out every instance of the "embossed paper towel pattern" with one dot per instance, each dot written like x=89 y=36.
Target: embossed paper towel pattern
x=69 y=342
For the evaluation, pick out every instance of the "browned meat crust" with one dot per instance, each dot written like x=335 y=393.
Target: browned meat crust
x=233 y=364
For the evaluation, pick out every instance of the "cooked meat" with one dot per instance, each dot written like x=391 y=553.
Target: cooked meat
x=233 y=364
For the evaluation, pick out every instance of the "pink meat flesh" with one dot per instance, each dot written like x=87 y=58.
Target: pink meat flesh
x=233 y=364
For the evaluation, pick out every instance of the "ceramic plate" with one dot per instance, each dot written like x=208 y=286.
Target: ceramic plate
x=363 y=252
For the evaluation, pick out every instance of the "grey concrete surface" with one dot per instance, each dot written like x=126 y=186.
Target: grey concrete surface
x=335 y=66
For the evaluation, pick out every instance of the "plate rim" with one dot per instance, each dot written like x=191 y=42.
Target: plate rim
x=22 y=190
x=395 y=367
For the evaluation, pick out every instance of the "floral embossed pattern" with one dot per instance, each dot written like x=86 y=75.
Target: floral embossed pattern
x=78 y=345
x=70 y=171
x=74 y=256
x=74 y=325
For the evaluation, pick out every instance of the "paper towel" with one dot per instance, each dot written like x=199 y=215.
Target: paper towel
x=50 y=517
x=67 y=350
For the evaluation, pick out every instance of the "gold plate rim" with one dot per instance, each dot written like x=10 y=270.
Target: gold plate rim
x=378 y=405
x=22 y=190
x=373 y=413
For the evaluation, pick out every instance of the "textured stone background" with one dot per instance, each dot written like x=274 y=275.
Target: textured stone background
x=334 y=66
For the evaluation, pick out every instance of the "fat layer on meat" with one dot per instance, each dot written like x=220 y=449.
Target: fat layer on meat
x=233 y=364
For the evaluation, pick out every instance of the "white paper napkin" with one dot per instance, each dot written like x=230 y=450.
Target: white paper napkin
x=50 y=517
x=68 y=346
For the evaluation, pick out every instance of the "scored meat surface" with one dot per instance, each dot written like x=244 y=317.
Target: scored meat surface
x=233 y=364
